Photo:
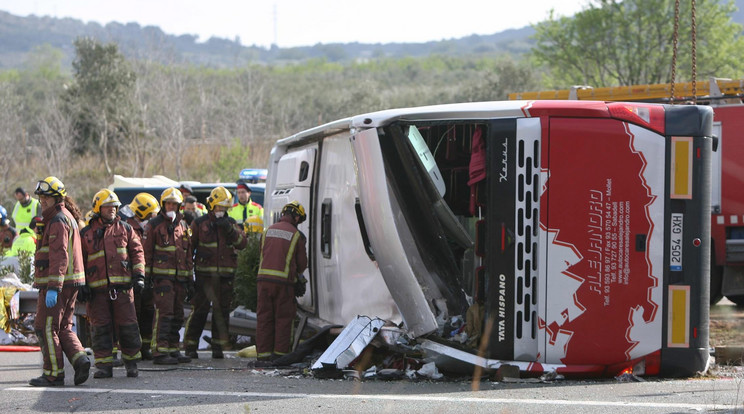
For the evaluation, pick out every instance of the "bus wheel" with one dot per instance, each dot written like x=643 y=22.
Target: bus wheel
x=737 y=299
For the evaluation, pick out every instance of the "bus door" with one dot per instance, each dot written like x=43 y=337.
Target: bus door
x=294 y=182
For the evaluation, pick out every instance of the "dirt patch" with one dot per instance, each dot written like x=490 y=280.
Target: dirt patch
x=726 y=325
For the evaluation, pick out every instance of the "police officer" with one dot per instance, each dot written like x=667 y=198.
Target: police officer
x=283 y=259
x=168 y=255
x=245 y=207
x=114 y=270
x=216 y=238
x=137 y=213
x=58 y=275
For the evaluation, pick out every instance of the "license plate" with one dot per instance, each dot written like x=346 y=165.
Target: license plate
x=675 y=250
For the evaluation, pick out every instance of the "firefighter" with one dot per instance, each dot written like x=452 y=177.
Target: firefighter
x=169 y=263
x=25 y=209
x=279 y=280
x=58 y=275
x=245 y=207
x=216 y=238
x=137 y=213
x=114 y=271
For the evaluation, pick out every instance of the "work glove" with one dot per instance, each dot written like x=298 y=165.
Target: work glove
x=190 y=291
x=51 y=298
x=138 y=283
x=225 y=224
x=84 y=294
x=300 y=286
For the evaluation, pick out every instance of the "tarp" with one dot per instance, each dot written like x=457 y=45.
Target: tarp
x=154 y=181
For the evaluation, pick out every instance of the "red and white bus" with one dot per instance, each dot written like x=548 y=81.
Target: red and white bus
x=578 y=232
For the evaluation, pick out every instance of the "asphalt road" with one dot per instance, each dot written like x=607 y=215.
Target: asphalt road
x=219 y=386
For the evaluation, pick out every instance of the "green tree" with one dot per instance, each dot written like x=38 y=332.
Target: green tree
x=101 y=96
x=630 y=42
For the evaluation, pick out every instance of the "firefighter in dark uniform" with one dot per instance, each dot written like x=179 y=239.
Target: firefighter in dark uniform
x=167 y=244
x=216 y=239
x=279 y=280
x=114 y=271
x=137 y=213
x=59 y=273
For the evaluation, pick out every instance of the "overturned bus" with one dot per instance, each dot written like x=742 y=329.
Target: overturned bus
x=575 y=234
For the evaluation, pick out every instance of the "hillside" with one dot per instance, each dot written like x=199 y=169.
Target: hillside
x=21 y=34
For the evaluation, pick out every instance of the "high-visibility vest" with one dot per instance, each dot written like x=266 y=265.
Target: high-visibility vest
x=22 y=216
x=25 y=241
x=241 y=212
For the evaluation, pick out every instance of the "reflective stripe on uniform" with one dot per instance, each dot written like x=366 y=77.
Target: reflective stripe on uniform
x=95 y=255
x=50 y=346
x=215 y=269
x=290 y=253
x=105 y=360
x=165 y=248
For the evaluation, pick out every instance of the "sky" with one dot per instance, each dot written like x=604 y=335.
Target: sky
x=290 y=23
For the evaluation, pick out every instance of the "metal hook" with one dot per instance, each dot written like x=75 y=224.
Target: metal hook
x=113 y=294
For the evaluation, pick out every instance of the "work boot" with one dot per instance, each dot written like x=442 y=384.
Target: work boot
x=217 y=352
x=82 y=369
x=180 y=358
x=165 y=359
x=132 y=371
x=191 y=353
x=146 y=354
x=104 y=372
x=43 y=381
x=261 y=363
x=117 y=362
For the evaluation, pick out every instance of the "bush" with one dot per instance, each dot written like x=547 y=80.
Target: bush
x=245 y=277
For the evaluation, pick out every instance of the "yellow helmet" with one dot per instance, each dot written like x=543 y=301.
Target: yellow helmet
x=171 y=194
x=253 y=224
x=143 y=205
x=296 y=209
x=51 y=186
x=105 y=197
x=88 y=217
x=219 y=197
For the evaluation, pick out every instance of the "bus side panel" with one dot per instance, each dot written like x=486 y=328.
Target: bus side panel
x=605 y=202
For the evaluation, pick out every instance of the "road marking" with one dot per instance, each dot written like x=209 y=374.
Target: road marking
x=390 y=397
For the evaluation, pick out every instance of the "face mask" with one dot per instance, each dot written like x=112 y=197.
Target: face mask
x=171 y=215
x=219 y=214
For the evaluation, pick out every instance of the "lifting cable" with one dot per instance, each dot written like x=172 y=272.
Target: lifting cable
x=693 y=30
